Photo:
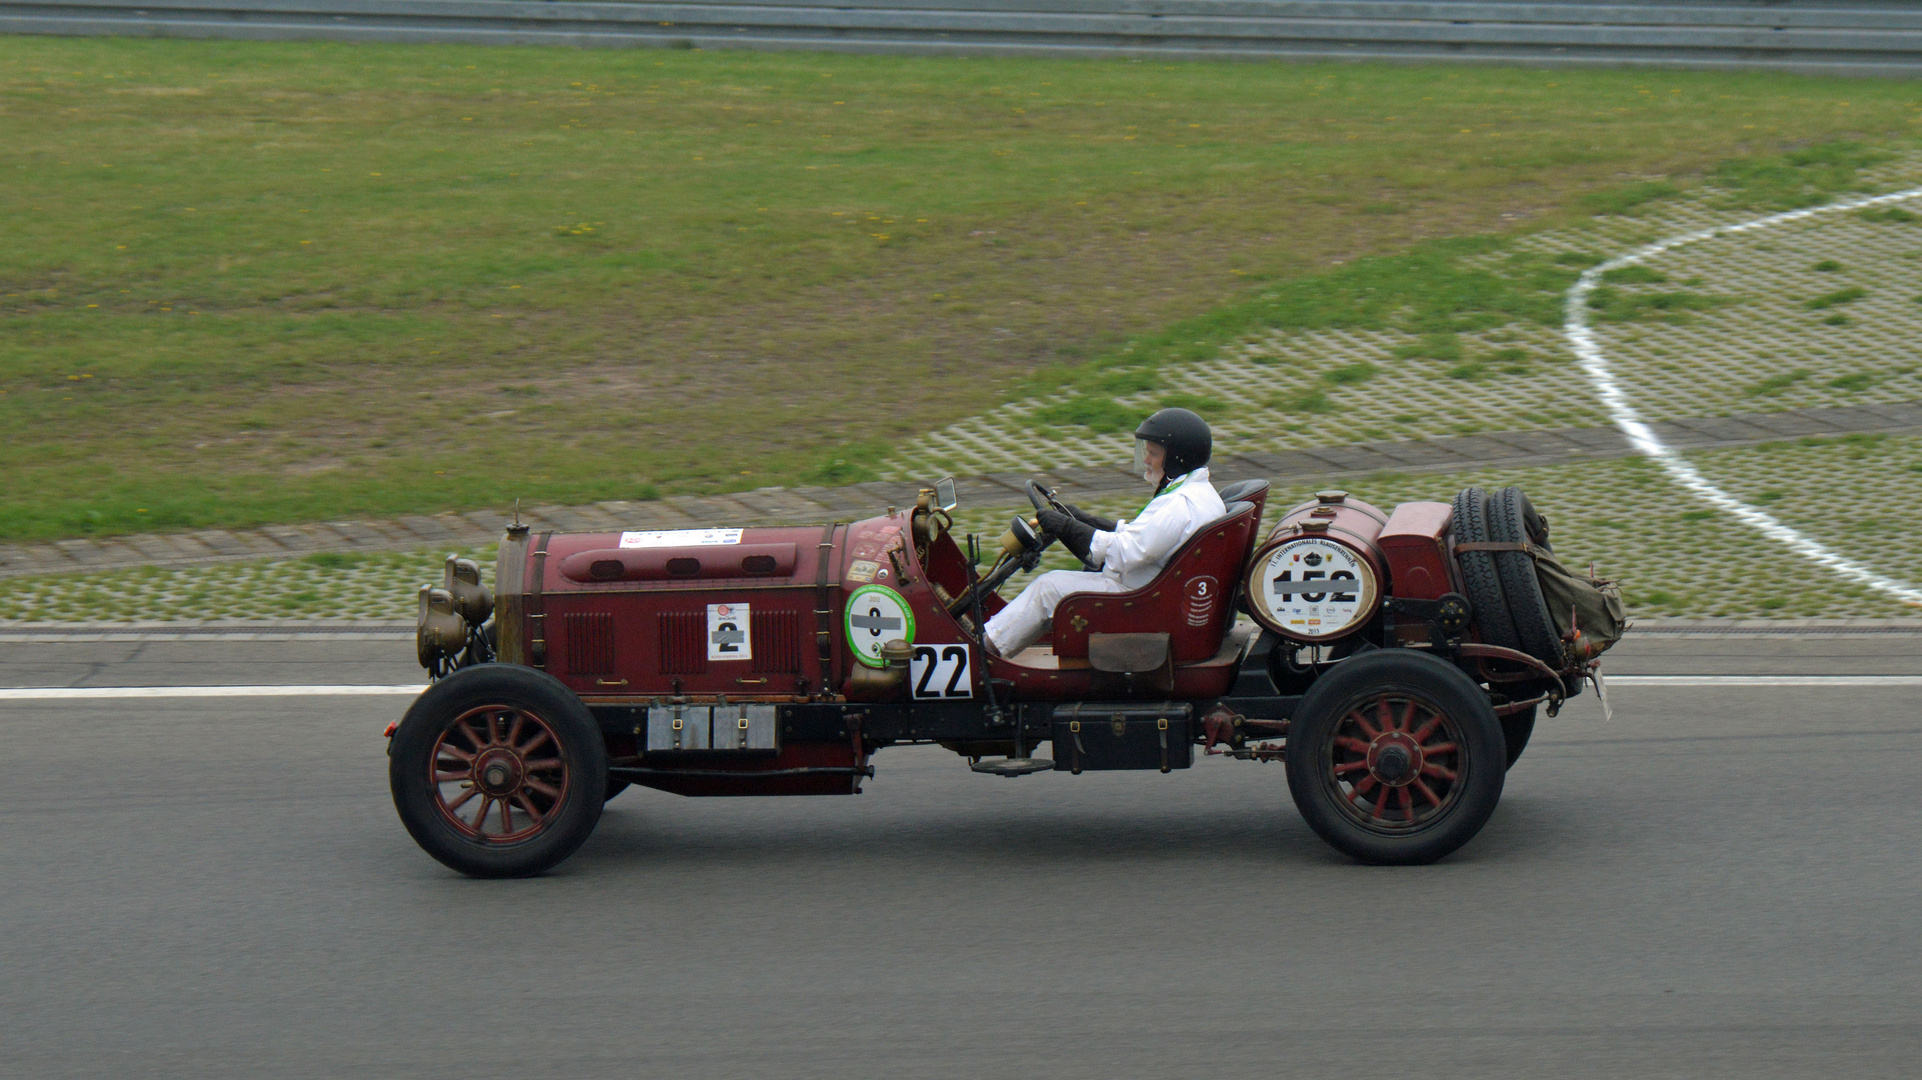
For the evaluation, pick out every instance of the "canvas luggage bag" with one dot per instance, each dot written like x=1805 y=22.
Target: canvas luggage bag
x=1587 y=610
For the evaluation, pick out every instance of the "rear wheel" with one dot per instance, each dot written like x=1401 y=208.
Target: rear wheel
x=1516 y=728
x=498 y=771
x=1395 y=757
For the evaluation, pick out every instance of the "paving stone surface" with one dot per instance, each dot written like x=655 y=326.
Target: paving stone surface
x=158 y=547
x=221 y=542
x=1673 y=557
x=426 y=528
x=778 y=505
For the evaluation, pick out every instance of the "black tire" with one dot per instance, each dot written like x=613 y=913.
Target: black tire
x=1456 y=762
x=1516 y=728
x=1509 y=513
x=1479 y=576
x=614 y=787
x=486 y=731
x=1536 y=525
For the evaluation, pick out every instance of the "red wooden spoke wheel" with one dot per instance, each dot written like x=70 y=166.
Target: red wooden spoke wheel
x=498 y=773
x=1395 y=761
x=1395 y=756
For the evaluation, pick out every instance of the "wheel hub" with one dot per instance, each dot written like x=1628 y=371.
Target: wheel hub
x=1395 y=762
x=498 y=772
x=1394 y=758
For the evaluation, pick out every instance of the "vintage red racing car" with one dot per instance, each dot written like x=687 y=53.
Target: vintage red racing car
x=1394 y=662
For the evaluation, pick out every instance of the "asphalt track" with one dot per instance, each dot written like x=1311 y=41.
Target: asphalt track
x=1720 y=881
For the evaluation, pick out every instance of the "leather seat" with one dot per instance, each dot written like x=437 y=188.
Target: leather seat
x=1191 y=599
x=1254 y=491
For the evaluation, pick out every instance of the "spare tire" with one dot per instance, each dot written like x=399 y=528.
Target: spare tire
x=1509 y=518
x=1537 y=526
x=1479 y=576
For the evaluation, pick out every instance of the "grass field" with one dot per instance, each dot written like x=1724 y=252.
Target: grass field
x=246 y=282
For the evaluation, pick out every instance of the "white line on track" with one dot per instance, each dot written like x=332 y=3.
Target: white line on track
x=108 y=693
x=1595 y=364
x=1764 y=680
x=44 y=637
x=99 y=693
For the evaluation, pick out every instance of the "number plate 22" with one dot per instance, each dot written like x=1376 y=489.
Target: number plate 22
x=940 y=672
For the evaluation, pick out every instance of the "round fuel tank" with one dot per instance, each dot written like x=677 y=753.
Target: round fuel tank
x=1319 y=576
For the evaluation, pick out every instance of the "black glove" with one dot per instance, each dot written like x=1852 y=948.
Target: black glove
x=1095 y=521
x=1074 y=535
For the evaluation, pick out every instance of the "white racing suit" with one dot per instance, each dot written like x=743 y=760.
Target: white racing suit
x=1129 y=557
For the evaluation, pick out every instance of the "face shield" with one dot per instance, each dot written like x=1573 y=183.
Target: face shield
x=1151 y=473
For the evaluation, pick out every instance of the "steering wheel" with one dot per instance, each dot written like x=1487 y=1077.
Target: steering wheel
x=1043 y=499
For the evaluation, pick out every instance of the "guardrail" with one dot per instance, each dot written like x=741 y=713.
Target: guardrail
x=1868 y=37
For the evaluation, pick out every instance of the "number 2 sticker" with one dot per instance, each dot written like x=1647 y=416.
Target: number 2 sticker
x=940 y=672
x=728 y=636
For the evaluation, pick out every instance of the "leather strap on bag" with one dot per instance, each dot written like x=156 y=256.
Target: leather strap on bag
x=823 y=612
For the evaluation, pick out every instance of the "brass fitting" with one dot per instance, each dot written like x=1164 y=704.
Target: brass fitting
x=887 y=683
x=896 y=654
x=462 y=579
x=1011 y=545
x=439 y=630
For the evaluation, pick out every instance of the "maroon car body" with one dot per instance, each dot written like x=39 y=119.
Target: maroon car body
x=777 y=661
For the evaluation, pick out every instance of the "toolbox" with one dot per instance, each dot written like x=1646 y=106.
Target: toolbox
x=1093 y=736
x=711 y=727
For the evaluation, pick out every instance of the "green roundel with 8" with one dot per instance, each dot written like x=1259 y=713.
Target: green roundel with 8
x=877 y=615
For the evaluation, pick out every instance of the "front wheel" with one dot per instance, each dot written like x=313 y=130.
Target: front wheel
x=498 y=771
x=1396 y=757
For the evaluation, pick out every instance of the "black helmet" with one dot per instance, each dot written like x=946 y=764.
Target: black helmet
x=1185 y=437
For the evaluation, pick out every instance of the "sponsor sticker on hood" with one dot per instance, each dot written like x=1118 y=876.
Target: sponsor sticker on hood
x=667 y=538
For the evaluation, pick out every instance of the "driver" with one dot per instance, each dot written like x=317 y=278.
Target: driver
x=1171 y=451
